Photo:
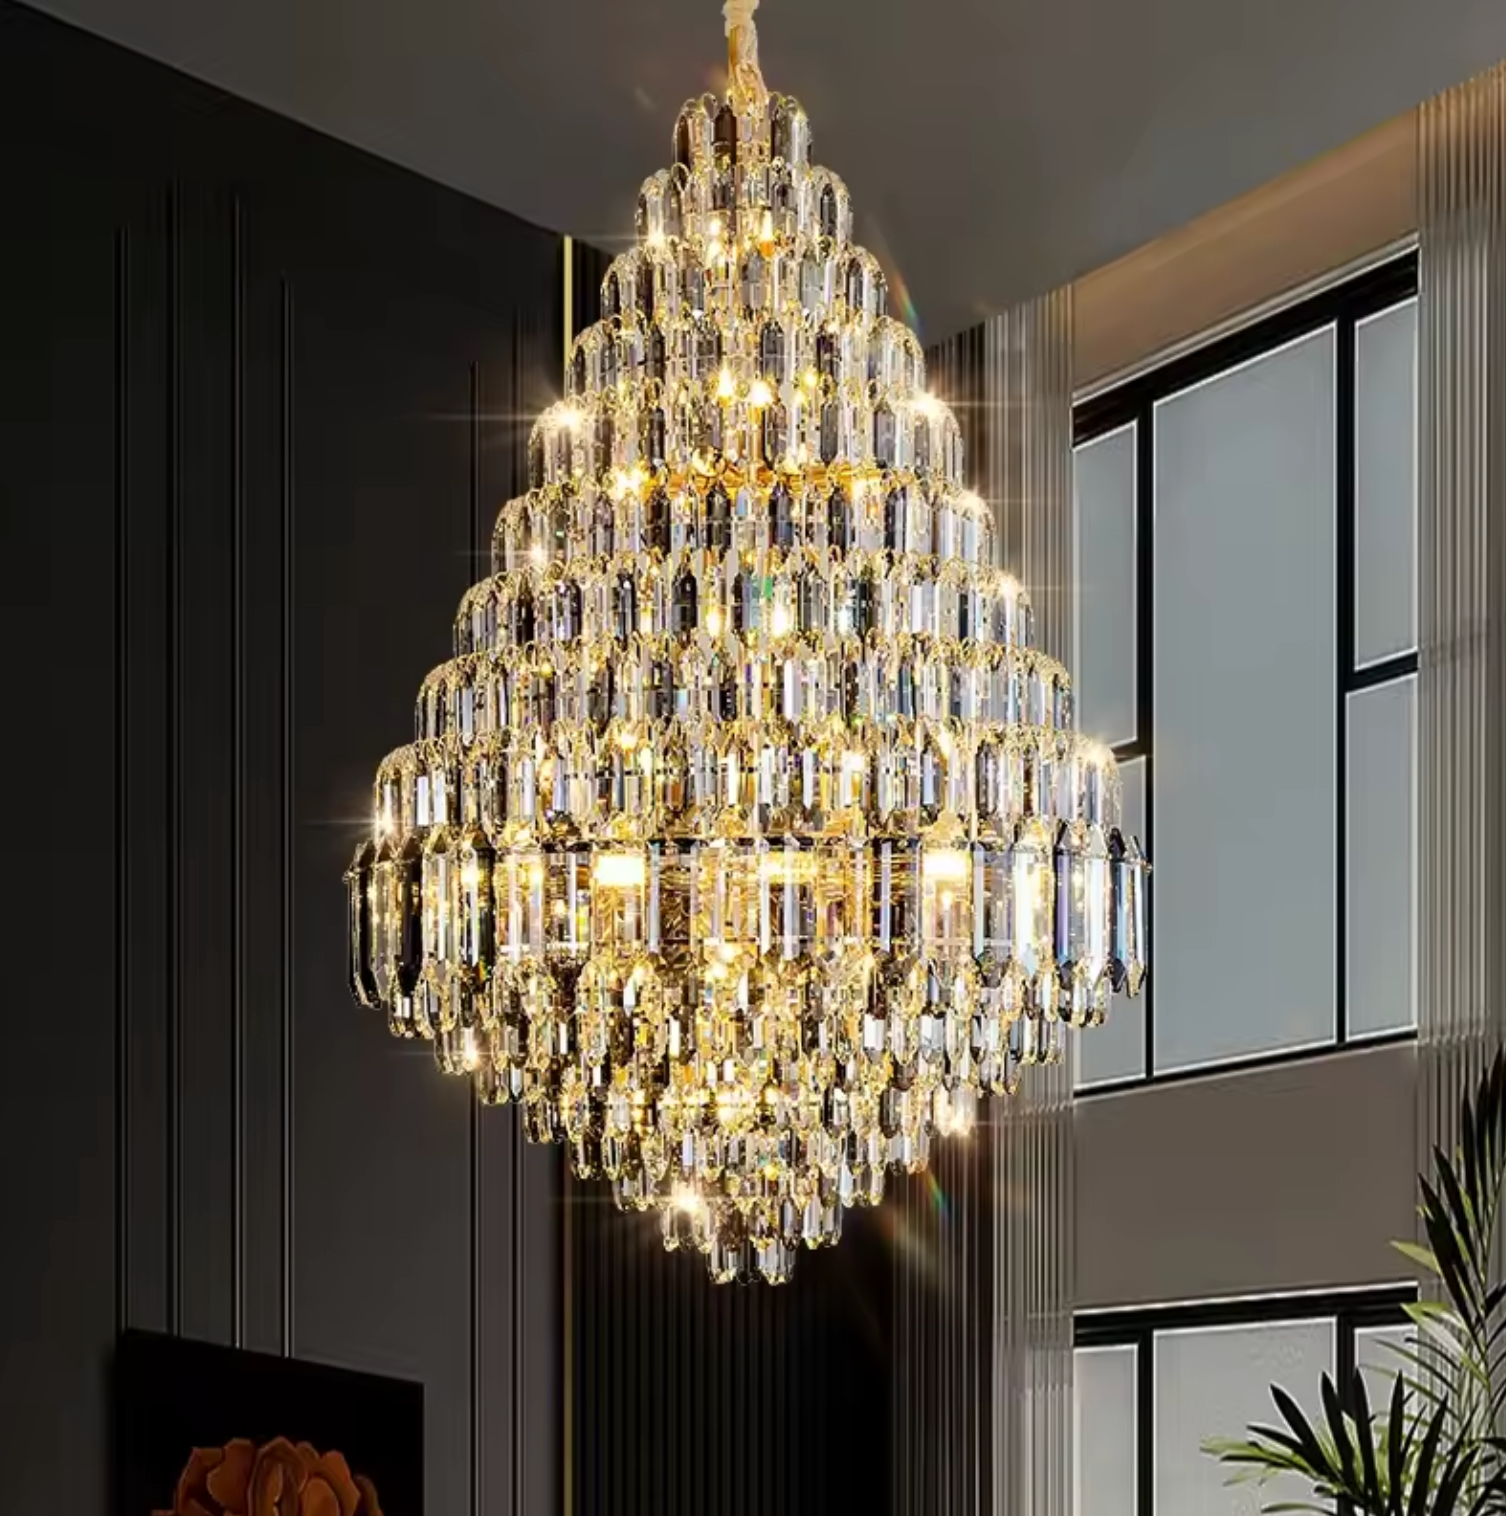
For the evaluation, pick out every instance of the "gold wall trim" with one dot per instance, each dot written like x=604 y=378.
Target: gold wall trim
x=567 y=1194
x=569 y=304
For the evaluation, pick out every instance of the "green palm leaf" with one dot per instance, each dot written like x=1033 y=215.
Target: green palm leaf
x=1434 y=1450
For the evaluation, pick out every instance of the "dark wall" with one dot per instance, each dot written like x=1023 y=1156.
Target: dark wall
x=260 y=402
x=726 y=1400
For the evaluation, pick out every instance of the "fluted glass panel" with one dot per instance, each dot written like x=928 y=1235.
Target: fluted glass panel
x=1381 y=834
x=1244 y=704
x=1105 y=643
x=982 y=1408
x=1104 y=1432
x=1116 y=1050
x=1462 y=635
x=1213 y=1383
x=1028 y=469
x=1385 y=463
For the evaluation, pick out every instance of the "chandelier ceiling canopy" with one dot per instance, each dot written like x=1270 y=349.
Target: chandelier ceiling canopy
x=746 y=840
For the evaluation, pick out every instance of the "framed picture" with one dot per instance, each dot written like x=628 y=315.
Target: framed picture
x=211 y=1431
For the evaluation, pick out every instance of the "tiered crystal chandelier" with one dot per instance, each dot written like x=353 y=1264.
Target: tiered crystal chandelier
x=746 y=839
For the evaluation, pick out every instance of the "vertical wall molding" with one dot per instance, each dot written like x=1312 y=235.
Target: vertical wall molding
x=473 y=1126
x=1462 y=590
x=567 y=1233
x=1028 y=412
x=173 y=768
x=122 y=424
x=477 y=1386
x=237 y=484
x=982 y=1403
x=286 y=798
x=516 y=1444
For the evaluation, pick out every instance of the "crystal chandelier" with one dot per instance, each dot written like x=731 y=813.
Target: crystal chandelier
x=746 y=839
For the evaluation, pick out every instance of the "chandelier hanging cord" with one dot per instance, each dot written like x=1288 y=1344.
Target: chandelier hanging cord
x=742 y=49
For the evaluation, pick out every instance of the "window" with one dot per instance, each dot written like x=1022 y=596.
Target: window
x=1104 y=1432
x=1246 y=529
x=1151 y=1385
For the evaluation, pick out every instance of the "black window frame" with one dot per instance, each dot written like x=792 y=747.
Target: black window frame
x=1351 y=1311
x=1342 y=306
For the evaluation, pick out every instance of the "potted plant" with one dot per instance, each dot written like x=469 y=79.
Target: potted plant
x=1434 y=1449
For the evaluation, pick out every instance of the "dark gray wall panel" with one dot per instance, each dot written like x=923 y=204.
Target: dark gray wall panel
x=260 y=406
x=266 y=802
x=59 y=394
x=381 y=1143
x=144 y=777
x=1227 y=1185
x=690 y=1396
x=204 y=668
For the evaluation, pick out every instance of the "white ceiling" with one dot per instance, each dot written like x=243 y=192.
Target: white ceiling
x=994 y=147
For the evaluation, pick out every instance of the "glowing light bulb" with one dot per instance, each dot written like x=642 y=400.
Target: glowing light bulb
x=726 y=388
x=947 y=865
x=759 y=394
x=619 y=871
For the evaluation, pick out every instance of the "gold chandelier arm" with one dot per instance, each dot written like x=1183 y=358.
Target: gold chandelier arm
x=742 y=51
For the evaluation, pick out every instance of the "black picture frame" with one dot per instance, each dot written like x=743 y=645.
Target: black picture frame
x=173 y=1396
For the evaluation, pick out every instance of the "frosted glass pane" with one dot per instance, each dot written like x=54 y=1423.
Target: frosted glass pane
x=1385 y=528
x=1245 y=711
x=1116 y=1050
x=1381 y=834
x=1215 y=1383
x=1103 y=1432
x=1375 y=1353
x=1104 y=677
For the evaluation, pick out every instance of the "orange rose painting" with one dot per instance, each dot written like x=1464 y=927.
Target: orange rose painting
x=202 y=1429
x=279 y=1478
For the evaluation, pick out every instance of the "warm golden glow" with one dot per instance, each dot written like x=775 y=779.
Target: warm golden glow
x=945 y=865
x=619 y=871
